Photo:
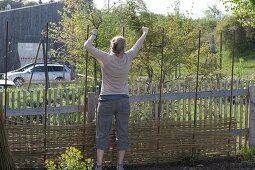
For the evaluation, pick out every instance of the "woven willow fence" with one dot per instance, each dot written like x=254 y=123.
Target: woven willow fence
x=151 y=142
x=156 y=135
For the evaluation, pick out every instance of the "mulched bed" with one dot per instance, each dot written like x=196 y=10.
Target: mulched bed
x=233 y=163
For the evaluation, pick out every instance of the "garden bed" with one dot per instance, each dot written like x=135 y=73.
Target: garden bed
x=232 y=163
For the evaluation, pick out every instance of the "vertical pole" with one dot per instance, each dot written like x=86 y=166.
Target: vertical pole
x=6 y=159
x=37 y=53
x=45 y=57
x=198 y=60
x=161 y=73
x=95 y=69
x=85 y=95
x=252 y=117
x=95 y=66
x=179 y=71
x=175 y=73
x=195 y=102
x=232 y=80
x=45 y=101
x=6 y=65
x=123 y=31
x=220 y=51
x=160 y=90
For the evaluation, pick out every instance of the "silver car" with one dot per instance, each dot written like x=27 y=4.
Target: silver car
x=56 y=72
x=8 y=83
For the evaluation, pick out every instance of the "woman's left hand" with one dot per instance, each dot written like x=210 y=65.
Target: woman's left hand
x=145 y=29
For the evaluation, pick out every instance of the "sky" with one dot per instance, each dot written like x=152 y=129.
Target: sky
x=195 y=8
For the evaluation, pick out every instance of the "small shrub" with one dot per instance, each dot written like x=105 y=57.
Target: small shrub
x=248 y=154
x=70 y=160
x=189 y=159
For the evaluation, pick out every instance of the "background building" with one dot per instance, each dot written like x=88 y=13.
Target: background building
x=25 y=27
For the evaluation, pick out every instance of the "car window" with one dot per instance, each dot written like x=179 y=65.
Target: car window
x=50 y=68
x=57 y=68
x=38 y=69
x=24 y=68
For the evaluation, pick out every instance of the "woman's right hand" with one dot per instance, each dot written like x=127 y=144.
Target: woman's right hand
x=145 y=29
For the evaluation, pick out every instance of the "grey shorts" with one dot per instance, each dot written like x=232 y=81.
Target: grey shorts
x=120 y=109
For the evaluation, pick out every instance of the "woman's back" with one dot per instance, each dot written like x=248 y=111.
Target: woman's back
x=115 y=75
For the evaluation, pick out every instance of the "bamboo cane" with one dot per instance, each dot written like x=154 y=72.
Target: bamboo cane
x=6 y=160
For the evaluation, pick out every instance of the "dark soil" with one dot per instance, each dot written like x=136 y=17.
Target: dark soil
x=234 y=163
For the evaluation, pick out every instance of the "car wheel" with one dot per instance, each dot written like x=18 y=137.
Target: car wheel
x=59 y=79
x=18 y=81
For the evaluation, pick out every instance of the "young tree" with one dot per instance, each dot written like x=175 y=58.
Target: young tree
x=213 y=12
x=227 y=26
x=12 y=3
x=16 y=4
x=244 y=9
x=70 y=33
x=30 y=3
x=211 y=17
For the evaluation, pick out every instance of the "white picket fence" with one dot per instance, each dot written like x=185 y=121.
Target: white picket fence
x=177 y=99
x=27 y=107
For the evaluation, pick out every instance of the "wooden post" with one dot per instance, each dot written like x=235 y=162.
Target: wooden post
x=91 y=106
x=252 y=117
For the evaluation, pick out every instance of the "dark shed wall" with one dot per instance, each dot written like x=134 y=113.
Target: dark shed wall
x=25 y=26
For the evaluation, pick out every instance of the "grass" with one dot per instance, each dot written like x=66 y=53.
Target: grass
x=244 y=66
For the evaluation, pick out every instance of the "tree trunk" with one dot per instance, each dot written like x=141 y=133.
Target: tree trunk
x=6 y=161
